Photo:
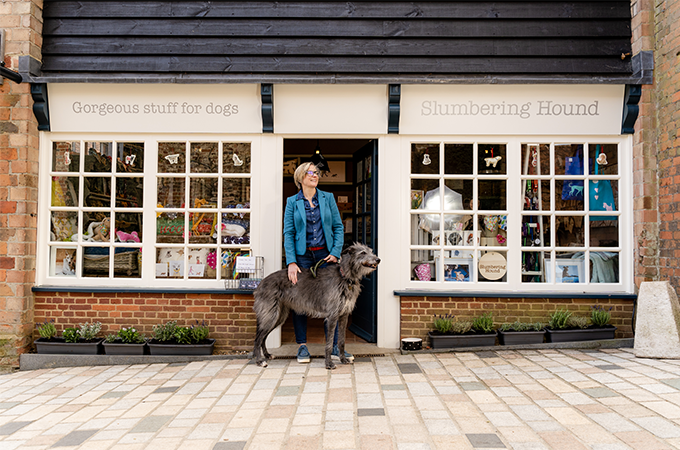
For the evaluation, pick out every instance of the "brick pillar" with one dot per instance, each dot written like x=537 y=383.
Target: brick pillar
x=22 y=23
x=647 y=210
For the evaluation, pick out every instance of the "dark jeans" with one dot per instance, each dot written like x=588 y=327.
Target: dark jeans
x=299 y=320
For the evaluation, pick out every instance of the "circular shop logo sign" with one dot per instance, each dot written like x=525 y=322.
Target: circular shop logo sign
x=493 y=266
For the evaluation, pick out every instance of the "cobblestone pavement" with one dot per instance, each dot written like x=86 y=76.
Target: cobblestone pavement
x=528 y=400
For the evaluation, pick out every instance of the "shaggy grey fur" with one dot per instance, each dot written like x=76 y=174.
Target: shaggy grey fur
x=330 y=296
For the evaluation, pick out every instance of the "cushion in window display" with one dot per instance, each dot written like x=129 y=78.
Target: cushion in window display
x=170 y=254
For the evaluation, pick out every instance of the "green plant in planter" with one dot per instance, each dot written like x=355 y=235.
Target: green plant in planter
x=183 y=335
x=578 y=322
x=600 y=316
x=559 y=320
x=199 y=332
x=443 y=323
x=47 y=330
x=461 y=327
x=126 y=336
x=522 y=326
x=89 y=331
x=165 y=332
x=71 y=335
x=483 y=323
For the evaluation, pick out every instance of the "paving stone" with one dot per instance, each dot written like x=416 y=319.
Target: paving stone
x=472 y=386
x=165 y=389
x=75 y=438
x=151 y=424
x=409 y=368
x=485 y=440
x=13 y=427
x=237 y=445
x=361 y=412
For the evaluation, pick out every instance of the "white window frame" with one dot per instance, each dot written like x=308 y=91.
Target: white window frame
x=513 y=247
x=150 y=176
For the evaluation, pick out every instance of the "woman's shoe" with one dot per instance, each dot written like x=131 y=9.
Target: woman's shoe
x=303 y=355
x=336 y=354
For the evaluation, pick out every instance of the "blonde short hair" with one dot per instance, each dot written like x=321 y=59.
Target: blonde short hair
x=301 y=173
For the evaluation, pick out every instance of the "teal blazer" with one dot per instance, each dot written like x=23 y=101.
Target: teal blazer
x=295 y=226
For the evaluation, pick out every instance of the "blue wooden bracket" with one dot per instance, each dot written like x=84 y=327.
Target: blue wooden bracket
x=40 y=105
x=267 y=94
x=630 y=108
x=393 y=109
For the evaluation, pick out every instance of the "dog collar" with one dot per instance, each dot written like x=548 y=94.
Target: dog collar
x=350 y=282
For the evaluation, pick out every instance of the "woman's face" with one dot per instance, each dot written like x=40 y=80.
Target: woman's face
x=311 y=180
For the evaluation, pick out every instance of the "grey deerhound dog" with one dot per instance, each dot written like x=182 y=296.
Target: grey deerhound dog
x=329 y=295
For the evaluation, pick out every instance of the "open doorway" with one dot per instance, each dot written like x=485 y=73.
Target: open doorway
x=351 y=181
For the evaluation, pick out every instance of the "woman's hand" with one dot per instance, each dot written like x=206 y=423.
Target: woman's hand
x=331 y=259
x=293 y=271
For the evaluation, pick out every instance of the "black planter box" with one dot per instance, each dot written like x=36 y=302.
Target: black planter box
x=156 y=348
x=438 y=341
x=58 y=346
x=520 y=337
x=585 y=334
x=118 y=348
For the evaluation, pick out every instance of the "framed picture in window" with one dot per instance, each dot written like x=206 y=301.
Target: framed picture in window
x=566 y=270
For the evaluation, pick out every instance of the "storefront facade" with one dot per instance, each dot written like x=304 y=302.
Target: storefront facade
x=147 y=191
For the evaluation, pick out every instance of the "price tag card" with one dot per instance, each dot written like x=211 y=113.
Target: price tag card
x=245 y=264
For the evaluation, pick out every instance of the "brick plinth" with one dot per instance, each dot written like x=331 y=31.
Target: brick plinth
x=417 y=313
x=229 y=317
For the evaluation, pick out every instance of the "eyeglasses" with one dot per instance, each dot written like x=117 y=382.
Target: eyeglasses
x=313 y=172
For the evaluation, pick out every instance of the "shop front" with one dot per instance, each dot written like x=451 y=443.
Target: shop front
x=512 y=197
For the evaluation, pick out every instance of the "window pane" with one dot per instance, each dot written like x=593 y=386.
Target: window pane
x=98 y=156
x=458 y=159
x=604 y=159
x=98 y=192
x=236 y=192
x=423 y=265
x=604 y=267
x=492 y=195
x=129 y=192
x=536 y=195
x=425 y=158
x=227 y=266
x=63 y=261
x=418 y=190
x=235 y=229
x=130 y=157
x=494 y=230
x=202 y=228
x=65 y=191
x=204 y=157
x=66 y=156
x=569 y=231
x=533 y=267
x=64 y=226
x=568 y=268
x=535 y=231
x=128 y=227
x=172 y=157
x=569 y=195
x=604 y=233
x=419 y=236
x=170 y=228
x=126 y=262
x=603 y=196
x=202 y=263
x=203 y=192
x=236 y=158
x=96 y=262
x=493 y=266
x=569 y=159
x=492 y=158
x=97 y=227
x=458 y=270
x=535 y=159
x=462 y=197
x=170 y=262
x=170 y=192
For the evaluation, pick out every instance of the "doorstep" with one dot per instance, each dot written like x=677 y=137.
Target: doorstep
x=595 y=345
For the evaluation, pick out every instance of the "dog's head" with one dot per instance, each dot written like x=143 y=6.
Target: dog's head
x=360 y=259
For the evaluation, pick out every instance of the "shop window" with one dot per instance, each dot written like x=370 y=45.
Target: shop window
x=565 y=218
x=203 y=209
x=98 y=209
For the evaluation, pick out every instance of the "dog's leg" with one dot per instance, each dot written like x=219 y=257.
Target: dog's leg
x=330 y=323
x=267 y=318
x=283 y=315
x=342 y=327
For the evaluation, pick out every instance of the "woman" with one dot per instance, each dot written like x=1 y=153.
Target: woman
x=312 y=232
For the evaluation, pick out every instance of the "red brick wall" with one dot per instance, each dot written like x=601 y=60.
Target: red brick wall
x=230 y=317
x=22 y=22
x=417 y=313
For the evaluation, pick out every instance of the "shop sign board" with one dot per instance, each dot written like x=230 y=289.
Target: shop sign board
x=149 y=108
x=511 y=109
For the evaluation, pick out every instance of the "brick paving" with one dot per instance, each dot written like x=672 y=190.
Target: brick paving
x=525 y=400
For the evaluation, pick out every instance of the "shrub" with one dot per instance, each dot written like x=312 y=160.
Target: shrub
x=600 y=316
x=443 y=323
x=578 y=322
x=199 y=332
x=461 y=327
x=559 y=319
x=483 y=323
x=71 y=335
x=522 y=326
x=47 y=330
x=131 y=336
x=89 y=331
x=165 y=332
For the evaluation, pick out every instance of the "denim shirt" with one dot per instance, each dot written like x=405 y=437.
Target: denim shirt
x=315 y=236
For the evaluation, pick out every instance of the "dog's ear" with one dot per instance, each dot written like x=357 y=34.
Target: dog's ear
x=349 y=250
